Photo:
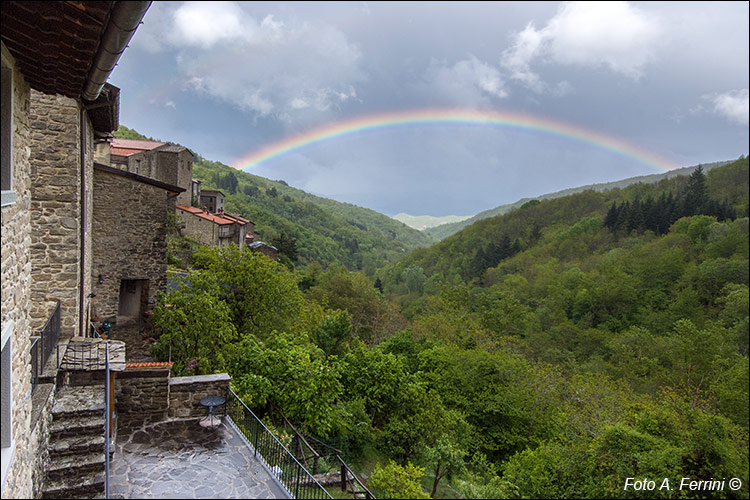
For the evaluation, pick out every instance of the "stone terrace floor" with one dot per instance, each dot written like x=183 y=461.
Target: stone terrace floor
x=181 y=459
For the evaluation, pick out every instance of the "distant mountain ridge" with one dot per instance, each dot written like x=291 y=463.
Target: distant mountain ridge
x=422 y=222
x=440 y=232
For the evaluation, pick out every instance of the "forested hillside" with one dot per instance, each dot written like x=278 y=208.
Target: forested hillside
x=444 y=230
x=552 y=352
x=326 y=231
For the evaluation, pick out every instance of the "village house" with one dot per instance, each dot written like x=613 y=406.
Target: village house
x=56 y=58
x=162 y=161
x=129 y=242
x=212 y=200
x=215 y=230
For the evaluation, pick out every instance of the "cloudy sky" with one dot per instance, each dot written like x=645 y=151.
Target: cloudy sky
x=226 y=79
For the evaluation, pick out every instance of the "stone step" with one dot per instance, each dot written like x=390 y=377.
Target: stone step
x=72 y=425
x=78 y=401
x=77 y=446
x=76 y=486
x=75 y=465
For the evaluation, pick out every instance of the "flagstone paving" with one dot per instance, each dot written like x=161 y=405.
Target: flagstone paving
x=181 y=459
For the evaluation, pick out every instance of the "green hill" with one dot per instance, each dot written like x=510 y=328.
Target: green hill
x=468 y=253
x=443 y=231
x=326 y=231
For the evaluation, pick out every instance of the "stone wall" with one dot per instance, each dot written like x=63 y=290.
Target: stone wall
x=130 y=227
x=16 y=291
x=143 y=393
x=42 y=402
x=58 y=210
x=186 y=392
x=185 y=176
x=150 y=393
x=202 y=230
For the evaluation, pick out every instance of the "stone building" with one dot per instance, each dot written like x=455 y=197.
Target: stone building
x=61 y=203
x=212 y=200
x=215 y=230
x=129 y=242
x=269 y=251
x=162 y=161
x=62 y=52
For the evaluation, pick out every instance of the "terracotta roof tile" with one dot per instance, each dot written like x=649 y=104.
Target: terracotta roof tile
x=135 y=144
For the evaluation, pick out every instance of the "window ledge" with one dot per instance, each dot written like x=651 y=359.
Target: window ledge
x=8 y=198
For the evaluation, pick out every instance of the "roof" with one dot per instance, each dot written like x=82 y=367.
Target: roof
x=216 y=219
x=259 y=244
x=174 y=148
x=211 y=192
x=69 y=48
x=54 y=43
x=136 y=144
x=123 y=151
x=139 y=178
x=236 y=217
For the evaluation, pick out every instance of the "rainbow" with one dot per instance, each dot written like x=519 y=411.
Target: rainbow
x=503 y=119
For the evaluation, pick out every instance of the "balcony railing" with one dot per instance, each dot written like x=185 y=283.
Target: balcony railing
x=269 y=450
x=34 y=363
x=43 y=346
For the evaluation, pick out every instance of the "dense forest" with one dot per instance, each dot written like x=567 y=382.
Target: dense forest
x=551 y=352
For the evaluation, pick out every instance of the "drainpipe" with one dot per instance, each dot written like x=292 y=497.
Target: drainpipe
x=84 y=222
x=124 y=20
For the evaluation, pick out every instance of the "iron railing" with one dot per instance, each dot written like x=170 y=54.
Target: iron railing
x=347 y=476
x=349 y=480
x=49 y=336
x=298 y=482
x=43 y=345
x=34 y=363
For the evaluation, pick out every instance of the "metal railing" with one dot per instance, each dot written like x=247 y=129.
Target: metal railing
x=49 y=336
x=91 y=354
x=332 y=459
x=34 y=363
x=347 y=476
x=268 y=449
x=43 y=345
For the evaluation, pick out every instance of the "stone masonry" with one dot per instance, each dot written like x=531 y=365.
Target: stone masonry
x=186 y=392
x=56 y=209
x=16 y=283
x=175 y=166
x=130 y=224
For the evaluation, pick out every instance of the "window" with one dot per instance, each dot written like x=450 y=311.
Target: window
x=8 y=444
x=8 y=195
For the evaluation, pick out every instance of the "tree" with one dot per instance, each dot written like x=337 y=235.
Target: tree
x=447 y=456
x=262 y=295
x=288 y=373
x=192 y=326
x=398 y=481
x=287 y=245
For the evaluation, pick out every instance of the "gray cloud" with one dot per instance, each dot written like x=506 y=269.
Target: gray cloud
x=230 y=78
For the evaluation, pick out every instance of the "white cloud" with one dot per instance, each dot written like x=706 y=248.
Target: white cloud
x=469 y=82
x=203 y=24
x=592 y=34
x=734 y=105
x=267 y=67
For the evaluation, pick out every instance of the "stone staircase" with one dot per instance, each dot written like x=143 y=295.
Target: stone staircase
x=76 y=446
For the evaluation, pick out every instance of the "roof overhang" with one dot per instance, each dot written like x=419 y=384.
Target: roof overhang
x=69 y=48
x=139 y=178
